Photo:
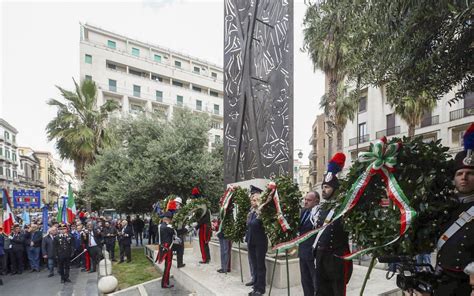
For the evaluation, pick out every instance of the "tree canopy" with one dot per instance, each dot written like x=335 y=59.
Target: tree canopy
x=152 y=159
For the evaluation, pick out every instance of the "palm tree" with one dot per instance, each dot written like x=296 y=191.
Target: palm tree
x=79 y=127
x=411 y=109
x=324 y=42
x=346 y=107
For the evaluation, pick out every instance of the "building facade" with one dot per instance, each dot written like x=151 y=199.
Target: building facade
x=29 y=172
x=48 y=174
x=376 y=119
x=147 y=78
x=9 y=161
x=301 y=173
x=319 y=153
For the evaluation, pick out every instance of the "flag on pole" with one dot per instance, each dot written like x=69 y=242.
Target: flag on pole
x=45 y=219
x=71 y=205
x=62 y=211
x=25 y=217
x=8 y=217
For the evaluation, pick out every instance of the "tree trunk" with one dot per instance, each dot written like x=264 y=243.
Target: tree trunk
x=411 y=130
x=339 y=139
x=331 y=116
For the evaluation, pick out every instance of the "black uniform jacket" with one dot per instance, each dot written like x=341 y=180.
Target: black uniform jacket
x=334 y=238
x=64 y=245
x=166 y=234
x=458 y=251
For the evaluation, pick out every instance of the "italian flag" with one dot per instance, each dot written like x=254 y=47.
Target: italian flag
x=71 y=206
x=8 y=218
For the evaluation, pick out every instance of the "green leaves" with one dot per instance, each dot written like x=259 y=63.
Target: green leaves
x=235 y=227
x=79 y=130
x=290 y=199
x=151 y=159
x=423 y=172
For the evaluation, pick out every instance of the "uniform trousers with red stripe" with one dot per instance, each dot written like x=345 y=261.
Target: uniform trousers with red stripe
x=332 y=272
x=165 y=254
x=204 y=238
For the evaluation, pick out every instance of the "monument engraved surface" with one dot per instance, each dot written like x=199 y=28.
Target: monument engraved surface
x=258 y=89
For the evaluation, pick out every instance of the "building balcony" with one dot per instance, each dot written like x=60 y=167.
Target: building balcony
x=388 y=132
x=429 y=121
x=2 y=138
x=361 y=139
x=460 y=113
x=165 y=64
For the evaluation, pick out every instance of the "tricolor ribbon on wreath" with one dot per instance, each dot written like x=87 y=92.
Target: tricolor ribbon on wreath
x=383 y=159
x=273 y=195
x=224 y=204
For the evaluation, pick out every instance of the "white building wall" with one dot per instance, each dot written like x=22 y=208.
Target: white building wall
x=94 y=42
x=451 y=123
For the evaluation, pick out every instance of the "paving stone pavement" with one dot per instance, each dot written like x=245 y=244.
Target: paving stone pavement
x=38 y=284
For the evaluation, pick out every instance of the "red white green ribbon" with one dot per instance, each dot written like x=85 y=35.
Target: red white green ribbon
x=383 y=159
x=225 y=201
x=273 y=195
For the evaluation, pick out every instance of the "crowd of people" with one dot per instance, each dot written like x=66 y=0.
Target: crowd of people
x=60 y=246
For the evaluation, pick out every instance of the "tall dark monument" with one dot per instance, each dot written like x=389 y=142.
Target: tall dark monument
x=258 y=89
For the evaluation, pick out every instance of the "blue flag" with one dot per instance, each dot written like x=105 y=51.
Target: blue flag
x=64 y=212
x=25 y=217
x=45 y=219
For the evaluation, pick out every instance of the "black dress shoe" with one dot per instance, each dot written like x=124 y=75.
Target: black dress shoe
x=62 y=281
x=204 y=262
x=67 y=281
x=181 y=265
x=220 y=270
x=51 y=275
x=249 y=284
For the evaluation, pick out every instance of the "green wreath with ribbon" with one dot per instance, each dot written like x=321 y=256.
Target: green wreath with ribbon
x=233 y=213
x=280 y=210
x=191 y=212
x=421 y=173
x=409 y=174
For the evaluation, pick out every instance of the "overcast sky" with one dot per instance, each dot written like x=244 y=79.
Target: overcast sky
x=40 y=49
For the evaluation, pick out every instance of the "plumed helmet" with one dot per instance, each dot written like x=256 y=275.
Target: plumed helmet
x=335 y=165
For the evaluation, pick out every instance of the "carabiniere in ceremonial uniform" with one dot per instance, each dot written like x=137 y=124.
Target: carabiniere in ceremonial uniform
x=64 y=247
x=455 y=260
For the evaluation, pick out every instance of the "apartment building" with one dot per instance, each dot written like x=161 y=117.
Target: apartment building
x=8 y=155
x=148 y=78
x=319 y=153
x=29 y=169
x=375 y=119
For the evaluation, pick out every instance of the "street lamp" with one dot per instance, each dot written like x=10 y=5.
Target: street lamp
x=300 y=155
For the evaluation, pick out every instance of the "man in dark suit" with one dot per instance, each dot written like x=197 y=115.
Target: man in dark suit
x=47 y=249
x=257 y=243
x=305 y=252
x=138 y=226
x=93 y=238
x=18 y=246
x=332 y=272
x=125 y=240
x=109 y=233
